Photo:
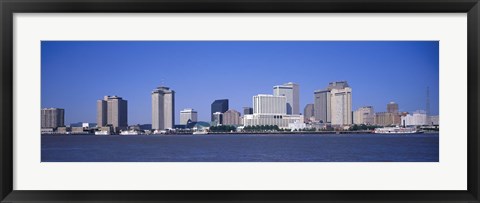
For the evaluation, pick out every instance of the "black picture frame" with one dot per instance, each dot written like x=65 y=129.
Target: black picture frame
x=10 y=7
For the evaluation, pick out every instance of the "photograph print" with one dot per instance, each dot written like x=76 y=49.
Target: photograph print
x=240 y=101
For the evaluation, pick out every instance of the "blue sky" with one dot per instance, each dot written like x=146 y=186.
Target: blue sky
x=75 y=74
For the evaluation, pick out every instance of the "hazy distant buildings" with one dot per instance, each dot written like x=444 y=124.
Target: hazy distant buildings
x=231 y=117
x=434 y=120
x=52 y=117
x=163 y=106
x=364 y=115
x=309 y=113
x=292 y=94
x=334 y=104
x=112 y=110
x=220 y=105
x=392 y=107
x=247 y=110
x=186 y=115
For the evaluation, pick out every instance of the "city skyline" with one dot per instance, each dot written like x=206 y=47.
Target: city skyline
x=413 y=68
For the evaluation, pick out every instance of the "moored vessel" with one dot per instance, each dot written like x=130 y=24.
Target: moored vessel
x=396 y=130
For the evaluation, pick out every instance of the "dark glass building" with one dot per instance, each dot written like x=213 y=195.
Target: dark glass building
x=220 y=105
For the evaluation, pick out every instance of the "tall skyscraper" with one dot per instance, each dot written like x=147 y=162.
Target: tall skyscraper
x=231 y=117
x=392 y=107
x=292 y=93
x=308 y=112
x=112 y=110
x=247 y=110
x=163 y=107
x=52 y=117
x=269 y=104
x=188 y=114
x=334 y=104
x=220 y=105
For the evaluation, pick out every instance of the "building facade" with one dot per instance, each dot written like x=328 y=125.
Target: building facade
x=217 y=118
x=282 y=121
x=231 y=117
x=52 y=117
x=392 y=107
x=163 y=107
x=247 y=110
x=269 y=104
x=334 y=104
x=292 y=94
x=112 y=110
x=364 y=115
x=418 y=118
x=309 y=113
x=387 y=119
x=220 y=105
x=188 y=114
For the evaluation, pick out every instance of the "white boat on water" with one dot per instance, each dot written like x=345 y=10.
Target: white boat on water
x=200 y=132
x=130 y=132
x=102 y=133
x=396 y=130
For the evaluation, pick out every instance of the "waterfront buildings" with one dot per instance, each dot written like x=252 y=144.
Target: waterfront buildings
x=434 y=120
x=292 y=94
x=52 y=117
x=186 y=115
x=364 y=115
x=392 y=107
x=163 y=106
x=247 y=110
x=112 y=110
x=231 y=117
x=309 y=113
x=418 y=118
x=270 y=110
x=220 y=105
x=387 y=119
x=334 y=104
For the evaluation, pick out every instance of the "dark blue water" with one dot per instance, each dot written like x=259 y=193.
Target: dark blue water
x=241 y=148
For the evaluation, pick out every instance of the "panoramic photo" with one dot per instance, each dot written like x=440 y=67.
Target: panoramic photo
x=240 y=101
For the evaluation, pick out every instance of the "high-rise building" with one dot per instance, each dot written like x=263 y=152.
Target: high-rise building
x=291 y=92
x=247 y=110
x=387 y=119
x=231 y=117
x=269 y=104
x=163 y=107
x=392 y=107
x=186 y=115
x=112 y=110
x=309 y=113
x=364 y=115
x=334 y=104
x=217 y=118
x=52 y=117
x=220 y=105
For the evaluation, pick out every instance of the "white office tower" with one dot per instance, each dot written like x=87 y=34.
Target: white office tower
x=187 y=114
x=270 y=110
x=269 y=104
x=163 y=106
x=292 y=93
x=341 y=104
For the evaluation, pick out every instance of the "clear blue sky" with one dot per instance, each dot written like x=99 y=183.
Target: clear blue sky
x=75 y=74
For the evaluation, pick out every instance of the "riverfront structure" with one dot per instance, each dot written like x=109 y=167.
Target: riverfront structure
x=392 y=107
x=309 y=113
x=292 y=94
x=163 y=106
x=231 y=117
x=217 y=118
x=334 y=104
x=270 y=110
x=220 y=105
x=364 y=115
x=52 y=117
x=418 y=118
x=188 y=114
x=112 y=110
